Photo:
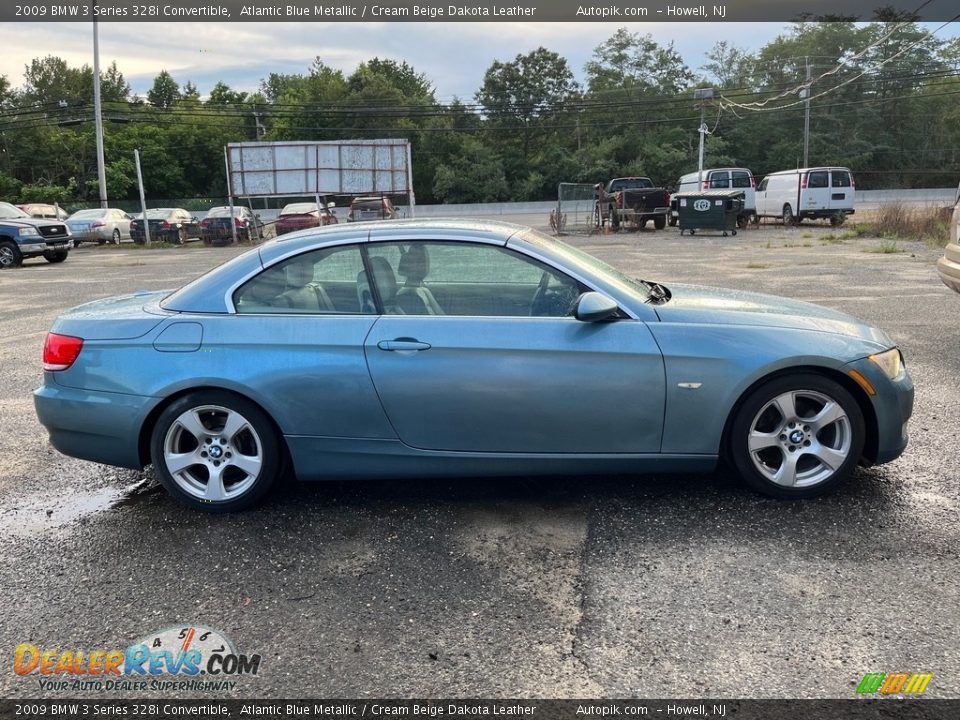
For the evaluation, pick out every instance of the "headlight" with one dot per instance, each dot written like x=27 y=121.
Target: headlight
x=891 y=362
x=29 y=232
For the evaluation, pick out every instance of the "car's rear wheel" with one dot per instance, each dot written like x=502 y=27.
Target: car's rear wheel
x=215 y=451
x=797 y=436
x=116 y=236
x=660 y=222
x=9 y=255
x=788 y=217
x=181 y=236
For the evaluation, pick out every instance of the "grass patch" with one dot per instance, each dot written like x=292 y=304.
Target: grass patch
x=831 y=239
x=886 y=247
x=806 y=235
x=900 y=221
x=756 y=266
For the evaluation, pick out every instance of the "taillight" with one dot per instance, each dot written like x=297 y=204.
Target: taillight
x=803 y=181
x=852 y=183
x=753 y=182
x=706 y=185
x=205 y=222
x=60 y=351
x=97 y=224
x=240 y=223
x=164 y=224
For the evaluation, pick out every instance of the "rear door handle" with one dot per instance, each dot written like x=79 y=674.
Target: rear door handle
x=403 y=344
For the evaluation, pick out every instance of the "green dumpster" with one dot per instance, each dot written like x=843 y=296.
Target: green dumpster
x=709 y=210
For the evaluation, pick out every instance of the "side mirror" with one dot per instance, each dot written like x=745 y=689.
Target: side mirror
x=594 y=307
x=331 y=204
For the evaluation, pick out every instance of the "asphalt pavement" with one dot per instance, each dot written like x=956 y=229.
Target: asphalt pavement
x=676 y=586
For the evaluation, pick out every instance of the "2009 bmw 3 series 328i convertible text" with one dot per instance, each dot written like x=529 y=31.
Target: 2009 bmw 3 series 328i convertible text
x=420 y=348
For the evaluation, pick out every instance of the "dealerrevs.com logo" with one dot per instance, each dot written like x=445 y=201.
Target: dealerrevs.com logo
x=894 y=683
x=177 y=658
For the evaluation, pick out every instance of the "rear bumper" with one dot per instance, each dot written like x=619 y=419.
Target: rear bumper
x=98 y=426
x=949 y=267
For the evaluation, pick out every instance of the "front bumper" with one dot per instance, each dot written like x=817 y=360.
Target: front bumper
x=41 y=246
x=892 y=408
x=99 y=426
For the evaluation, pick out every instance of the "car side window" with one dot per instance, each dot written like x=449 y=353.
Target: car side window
x=817 y=180
x=467 y=279
x=321 y=282
x=763 y=185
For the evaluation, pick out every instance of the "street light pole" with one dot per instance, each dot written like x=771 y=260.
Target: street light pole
x=98 y=111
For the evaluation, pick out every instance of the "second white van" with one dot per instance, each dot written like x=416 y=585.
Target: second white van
x=822 y=192
x=720 y=179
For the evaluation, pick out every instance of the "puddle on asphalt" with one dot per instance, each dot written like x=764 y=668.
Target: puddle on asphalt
x=33 y=516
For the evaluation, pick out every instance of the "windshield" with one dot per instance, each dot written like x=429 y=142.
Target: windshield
x=10 y=212
x=579 y=257
x=88 y=214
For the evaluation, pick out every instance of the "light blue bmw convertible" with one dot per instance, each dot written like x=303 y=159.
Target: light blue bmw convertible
x=424 y=348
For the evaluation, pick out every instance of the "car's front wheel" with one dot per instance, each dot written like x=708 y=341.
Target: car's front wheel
x=215 y=451
x=797 y=436
x=9 y=255
x=55 y=257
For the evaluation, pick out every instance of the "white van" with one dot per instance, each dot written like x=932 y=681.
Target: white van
x=720 y=179
x=822 y=192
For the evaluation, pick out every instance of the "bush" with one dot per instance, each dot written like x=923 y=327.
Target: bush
x=913 y=222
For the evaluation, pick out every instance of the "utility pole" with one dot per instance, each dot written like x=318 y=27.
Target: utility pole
x=805 y=94
x=98 y=111
x=143 y=201
x=703 y=94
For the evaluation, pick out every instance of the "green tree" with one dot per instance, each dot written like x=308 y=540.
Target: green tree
x=165 y=92
x=631 y=61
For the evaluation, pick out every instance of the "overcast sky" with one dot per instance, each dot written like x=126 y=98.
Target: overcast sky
x=453 y=55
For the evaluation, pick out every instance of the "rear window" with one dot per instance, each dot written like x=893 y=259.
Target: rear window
x=719 y=181
x=741 y=179
x=817 y=180
x=840 y=178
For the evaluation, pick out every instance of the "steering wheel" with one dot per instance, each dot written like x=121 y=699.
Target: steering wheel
x=540 y=295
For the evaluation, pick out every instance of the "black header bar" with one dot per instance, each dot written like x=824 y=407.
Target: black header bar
x=614 y=11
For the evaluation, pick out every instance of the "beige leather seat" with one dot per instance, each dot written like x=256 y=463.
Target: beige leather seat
x=304 y=294
x=386 y=285
x=414 y=298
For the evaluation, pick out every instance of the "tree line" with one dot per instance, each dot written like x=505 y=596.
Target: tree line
x=884 y=101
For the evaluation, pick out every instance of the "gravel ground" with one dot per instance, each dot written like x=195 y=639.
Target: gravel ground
x=680 y=586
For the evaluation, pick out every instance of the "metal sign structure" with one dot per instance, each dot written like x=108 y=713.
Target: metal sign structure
x=337 y=167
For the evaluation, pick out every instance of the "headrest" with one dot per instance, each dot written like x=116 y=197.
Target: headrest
x=414 y=264
x=299 y=274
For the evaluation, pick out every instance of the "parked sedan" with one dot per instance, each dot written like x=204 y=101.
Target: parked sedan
x=217 y=227
x=422 y=348
x=99 y=225
x=371 y=208
x=949 y=265
x=44 y=210
x=301 y=216
x=172 y=225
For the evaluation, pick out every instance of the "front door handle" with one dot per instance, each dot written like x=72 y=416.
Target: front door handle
x=403 y=344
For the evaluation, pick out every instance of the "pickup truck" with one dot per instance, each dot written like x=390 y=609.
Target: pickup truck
x=632 y=200
x=22 y=236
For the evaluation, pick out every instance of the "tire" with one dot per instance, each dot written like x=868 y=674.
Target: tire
x=837 y=220
x=181 y=236
x=614 y=219
x=660 y=222
x=797 y=436
x=674 y=221
x=188 y=433
x=742 y=221
x=116 y=236
x=788 y=217
x=55 y=257
x=9 y=255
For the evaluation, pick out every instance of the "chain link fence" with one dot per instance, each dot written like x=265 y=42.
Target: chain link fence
x=576 y=210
